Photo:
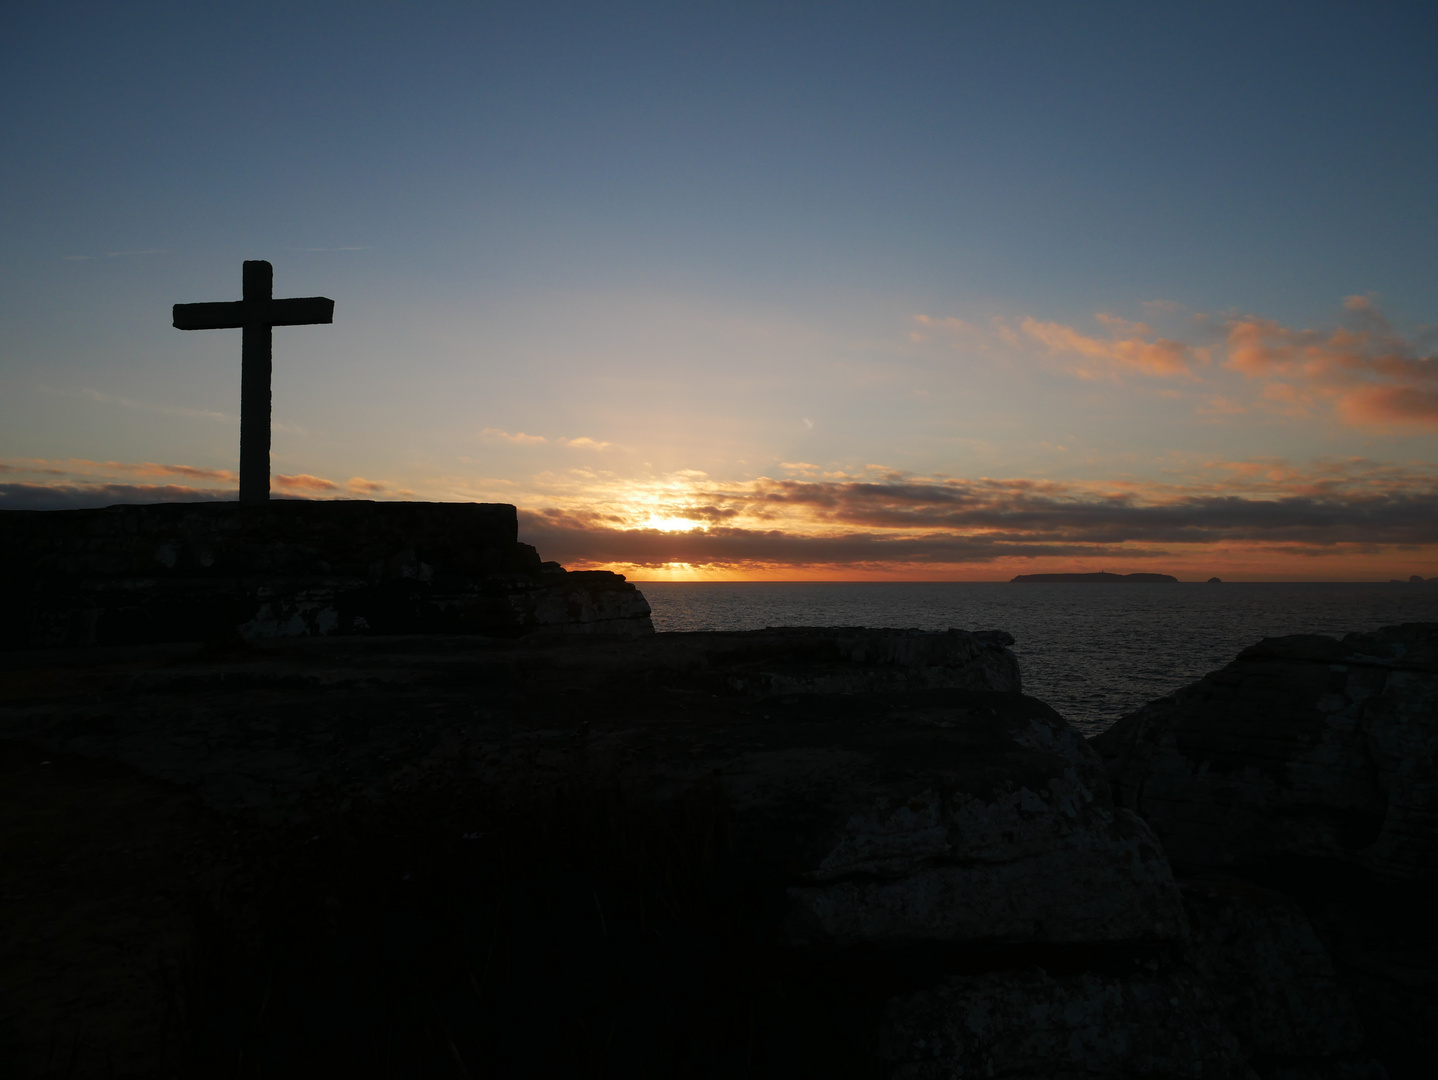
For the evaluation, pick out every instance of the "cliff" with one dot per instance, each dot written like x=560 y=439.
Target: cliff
x=310 y=847
x=1302 y=779
x=212 y=571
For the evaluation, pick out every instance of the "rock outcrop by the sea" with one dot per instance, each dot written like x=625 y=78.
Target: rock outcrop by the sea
x=126 y=575
x=870 y=793
x=785 y=850
x=1307 y=767
x=814 y=660
x=1303 y=747
x=955 y=810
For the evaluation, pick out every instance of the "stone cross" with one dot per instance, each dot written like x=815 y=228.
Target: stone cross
x=256 y=314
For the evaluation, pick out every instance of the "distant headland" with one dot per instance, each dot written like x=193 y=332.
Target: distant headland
x=1100 y=576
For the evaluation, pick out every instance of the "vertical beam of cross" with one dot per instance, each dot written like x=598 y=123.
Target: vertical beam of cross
x=257 y=314
x=256 y=399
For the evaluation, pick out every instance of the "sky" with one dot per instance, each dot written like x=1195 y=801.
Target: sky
x=924 y=291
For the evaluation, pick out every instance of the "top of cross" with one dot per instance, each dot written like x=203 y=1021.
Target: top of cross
x=258 y=308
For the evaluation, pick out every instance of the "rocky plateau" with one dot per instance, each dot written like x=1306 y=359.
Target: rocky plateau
x=497 y=847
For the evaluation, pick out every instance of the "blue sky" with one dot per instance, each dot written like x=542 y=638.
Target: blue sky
x=637 y=267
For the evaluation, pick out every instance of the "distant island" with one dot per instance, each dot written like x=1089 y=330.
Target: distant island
x=1100 y=576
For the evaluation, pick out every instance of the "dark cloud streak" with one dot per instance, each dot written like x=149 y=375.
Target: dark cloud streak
x=88 y=496
x=979 y=521
x=566 y=539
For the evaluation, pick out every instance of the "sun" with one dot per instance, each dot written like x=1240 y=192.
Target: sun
x=672 y=524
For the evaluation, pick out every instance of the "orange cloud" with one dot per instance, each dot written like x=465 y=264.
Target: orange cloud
x=1218 y=405
x=305 y=482
x=360 y=486
x=86 y=467
x=1131 y=350
x=151 y=469
x=1370 y=373
x=931 y=325
x=1389 y=404
x=518 y=437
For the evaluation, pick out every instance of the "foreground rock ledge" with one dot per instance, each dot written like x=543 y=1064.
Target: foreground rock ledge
x=864 y=850
x=125 y=575
x=1305 y=773
x=948 y=808
x=841 y=793
x=1303 y=747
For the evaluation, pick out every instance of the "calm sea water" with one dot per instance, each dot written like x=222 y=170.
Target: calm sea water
x=1093 y=652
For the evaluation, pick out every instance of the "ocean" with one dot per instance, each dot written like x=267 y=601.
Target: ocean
x=1093 y=651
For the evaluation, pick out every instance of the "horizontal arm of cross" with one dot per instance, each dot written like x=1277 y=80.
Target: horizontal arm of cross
x=299 y=311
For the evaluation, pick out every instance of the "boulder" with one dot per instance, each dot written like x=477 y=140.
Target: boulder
x=1303 y=747
x=1309 y=766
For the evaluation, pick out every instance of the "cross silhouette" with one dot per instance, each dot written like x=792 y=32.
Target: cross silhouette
x=257 y=314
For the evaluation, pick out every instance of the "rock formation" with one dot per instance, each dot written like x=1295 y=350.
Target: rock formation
x=1033 y=1024
x=211 y=571
x=788 y=851
x=1308 y=766
x=1303 y=747
x=875 y=792
x=1272 y=979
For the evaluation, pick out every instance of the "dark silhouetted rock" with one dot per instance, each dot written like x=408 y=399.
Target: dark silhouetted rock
x=1273 y=981
x=876 y=824
x=1032 y=1024
x=130 y=575
x=1303 y=746
x=822 y=660
x=968 y=814
x=1310 y=765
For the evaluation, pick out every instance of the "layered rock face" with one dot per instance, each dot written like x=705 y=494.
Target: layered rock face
x=867 y=847
x=960 y=814
x=1308 y=766
x=1302 y=747
x=885 y=796
x=208 y=571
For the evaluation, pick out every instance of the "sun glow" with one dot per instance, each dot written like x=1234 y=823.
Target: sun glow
x=672 y=524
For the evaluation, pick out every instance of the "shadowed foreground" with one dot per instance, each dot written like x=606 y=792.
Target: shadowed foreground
x=811 y=852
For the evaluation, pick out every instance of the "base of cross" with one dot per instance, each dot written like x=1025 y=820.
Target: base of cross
x=129 y=575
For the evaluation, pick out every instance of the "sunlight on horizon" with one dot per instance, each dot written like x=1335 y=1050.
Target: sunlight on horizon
x=673 y=524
